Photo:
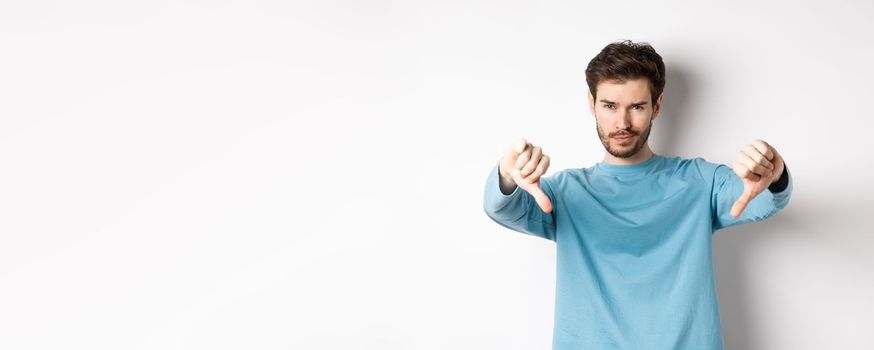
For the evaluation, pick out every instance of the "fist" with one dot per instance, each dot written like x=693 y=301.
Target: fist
x=525 y=163
x=758 y=165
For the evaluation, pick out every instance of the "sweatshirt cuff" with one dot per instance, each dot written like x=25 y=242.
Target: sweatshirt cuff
x=781 y=183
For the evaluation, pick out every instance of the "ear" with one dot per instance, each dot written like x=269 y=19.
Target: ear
x=591 y=103
x=658 y=106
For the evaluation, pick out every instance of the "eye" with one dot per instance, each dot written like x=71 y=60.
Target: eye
x=639 y=107
x=609 y=106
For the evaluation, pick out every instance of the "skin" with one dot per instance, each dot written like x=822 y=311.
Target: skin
x=626 y=108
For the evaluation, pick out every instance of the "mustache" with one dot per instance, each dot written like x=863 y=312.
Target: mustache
x=623 y=133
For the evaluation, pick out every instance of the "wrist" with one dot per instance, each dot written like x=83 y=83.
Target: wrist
x=506 y=180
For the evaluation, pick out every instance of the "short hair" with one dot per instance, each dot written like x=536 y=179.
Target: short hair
x=625 y=60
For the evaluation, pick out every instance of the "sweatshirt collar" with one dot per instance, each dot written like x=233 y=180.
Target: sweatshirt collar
x=641 y=168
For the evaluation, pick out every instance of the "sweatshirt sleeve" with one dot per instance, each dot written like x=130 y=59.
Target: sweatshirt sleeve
x=727 y=188
x=519 y=211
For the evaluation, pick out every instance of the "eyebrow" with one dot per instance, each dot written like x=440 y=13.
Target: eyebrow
x=639 y=103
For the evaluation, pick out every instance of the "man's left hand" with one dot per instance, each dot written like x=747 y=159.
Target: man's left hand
x=758 y=165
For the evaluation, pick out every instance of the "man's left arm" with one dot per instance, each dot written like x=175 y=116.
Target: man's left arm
x=757 y=186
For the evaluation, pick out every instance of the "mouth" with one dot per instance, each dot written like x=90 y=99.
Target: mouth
x=623 y=138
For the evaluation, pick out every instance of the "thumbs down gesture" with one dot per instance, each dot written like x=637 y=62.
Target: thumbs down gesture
x=525 y=163
x=758 y=165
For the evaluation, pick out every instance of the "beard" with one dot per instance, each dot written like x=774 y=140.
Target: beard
x=621 y=150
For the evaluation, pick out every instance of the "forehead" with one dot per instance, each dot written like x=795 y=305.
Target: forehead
x=624 y=92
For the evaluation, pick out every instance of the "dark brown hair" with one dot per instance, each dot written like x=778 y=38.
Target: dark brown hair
x=625 y=60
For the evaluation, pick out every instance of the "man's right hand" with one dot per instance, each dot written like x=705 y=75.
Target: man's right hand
x=522 y=166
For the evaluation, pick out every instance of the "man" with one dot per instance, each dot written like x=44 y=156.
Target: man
x=633 y=232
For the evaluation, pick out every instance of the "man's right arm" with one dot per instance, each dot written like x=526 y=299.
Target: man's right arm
x=510 y=206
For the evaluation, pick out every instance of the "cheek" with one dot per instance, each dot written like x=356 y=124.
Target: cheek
x=603 y=122
x=641 y=119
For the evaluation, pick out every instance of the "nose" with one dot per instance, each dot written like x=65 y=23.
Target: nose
x=622 y=121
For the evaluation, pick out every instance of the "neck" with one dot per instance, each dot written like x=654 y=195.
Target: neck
x=641 y=156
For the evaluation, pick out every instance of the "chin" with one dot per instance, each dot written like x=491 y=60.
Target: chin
x=621 y=153
x=624 y=155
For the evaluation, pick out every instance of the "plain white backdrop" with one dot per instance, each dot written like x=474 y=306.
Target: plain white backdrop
x=309 y=175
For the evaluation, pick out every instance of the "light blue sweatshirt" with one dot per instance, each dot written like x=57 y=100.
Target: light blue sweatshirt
x=634 y=267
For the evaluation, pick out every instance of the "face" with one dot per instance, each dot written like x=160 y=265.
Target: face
x=623 y=115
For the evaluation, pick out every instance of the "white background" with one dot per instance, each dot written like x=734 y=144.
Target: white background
x=309 y=175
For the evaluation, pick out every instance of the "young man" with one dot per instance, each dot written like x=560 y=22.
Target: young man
x=633 y=232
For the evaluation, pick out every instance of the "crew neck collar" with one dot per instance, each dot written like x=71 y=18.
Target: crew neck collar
x=642 y=167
